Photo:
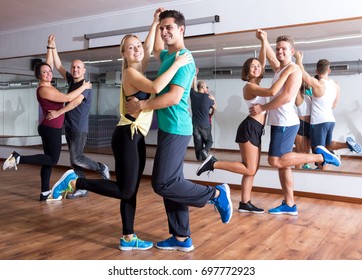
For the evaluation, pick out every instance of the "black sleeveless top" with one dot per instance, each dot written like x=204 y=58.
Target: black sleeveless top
x=140 y=95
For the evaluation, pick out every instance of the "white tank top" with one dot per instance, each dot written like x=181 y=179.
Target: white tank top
x=305 y=108
x=322 y=107
x=256 y=100
x=286 y=114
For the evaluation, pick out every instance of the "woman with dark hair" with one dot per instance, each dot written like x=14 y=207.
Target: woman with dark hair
x=50 y=131
x=251 y=129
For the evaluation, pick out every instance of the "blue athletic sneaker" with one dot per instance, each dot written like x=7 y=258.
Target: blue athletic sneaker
x=63 y=186
x=284 y=209
x=134 y=244
x=353 y=145
x=173 y=244
x=223 y=203
x=328 y=156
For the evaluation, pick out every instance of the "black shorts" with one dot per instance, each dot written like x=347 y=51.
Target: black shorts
x=250 y=130
x=304 y=129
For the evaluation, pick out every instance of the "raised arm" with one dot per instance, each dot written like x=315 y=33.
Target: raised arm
x=150 y=40
x=270 y=54
x=57 y=61
x=159 y=44
x=262 y=55
x=338 y=89
x=308 y=79
x=194 y=81
x=50 y=46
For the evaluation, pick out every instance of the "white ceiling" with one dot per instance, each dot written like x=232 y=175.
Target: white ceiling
x=22 y=14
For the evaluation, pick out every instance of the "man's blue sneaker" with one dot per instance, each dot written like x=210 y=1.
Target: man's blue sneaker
x=223 y=203
x=173 y=244
x=134 y=244
x=62 y=185
x=353 y=145
x=328 y=156
x=284 y=209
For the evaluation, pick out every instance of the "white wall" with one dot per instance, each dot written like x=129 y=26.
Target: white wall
x=235 y=16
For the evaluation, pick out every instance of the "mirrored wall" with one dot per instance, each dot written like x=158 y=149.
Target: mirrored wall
x=219 y=58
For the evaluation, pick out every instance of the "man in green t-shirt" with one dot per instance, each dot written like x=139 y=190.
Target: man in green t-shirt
x=174 y=134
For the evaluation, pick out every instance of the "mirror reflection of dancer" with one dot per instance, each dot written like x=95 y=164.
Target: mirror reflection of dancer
x=303 y=104
x=128 y=143
x=326 y=94
x=251 y=129
x=50 y=131
x=284 y=124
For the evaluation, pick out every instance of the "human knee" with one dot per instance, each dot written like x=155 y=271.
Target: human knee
x=273 y=162
x=157 y=187
x=250 y=171
x=128 y=194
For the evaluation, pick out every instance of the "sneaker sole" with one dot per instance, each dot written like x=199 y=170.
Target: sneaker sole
x=176 y=248
x=203 y=164
x=134 y=248
x=247 y=211
x=284 y=213
x=230 y=202
x=50 y=199
x=70 y=196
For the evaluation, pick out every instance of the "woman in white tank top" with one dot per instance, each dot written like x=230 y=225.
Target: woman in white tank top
x=250 y=130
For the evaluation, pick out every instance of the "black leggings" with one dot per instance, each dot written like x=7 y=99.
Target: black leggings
x=130 y=159
x=52 y=144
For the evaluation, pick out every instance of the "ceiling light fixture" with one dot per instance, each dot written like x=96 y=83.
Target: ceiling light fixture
x=331 y=39
x=98 y=61
x=202 y=51
x=195 y=27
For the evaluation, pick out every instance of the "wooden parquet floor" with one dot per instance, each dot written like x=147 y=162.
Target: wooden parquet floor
x=89 y=228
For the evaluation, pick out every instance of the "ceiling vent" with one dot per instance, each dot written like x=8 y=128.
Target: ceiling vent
x=4 y=85
x=343 y=67
x=227 y=72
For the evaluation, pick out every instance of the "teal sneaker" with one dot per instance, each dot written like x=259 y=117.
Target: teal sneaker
x=328 y=156
x=306 y=166
x=284 y=209
x=62 y=185
x=134 y=244
x=223 y=203
x=173 y=244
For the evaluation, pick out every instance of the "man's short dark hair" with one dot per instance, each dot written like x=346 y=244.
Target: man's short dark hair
x=323 y=66
x=178 y=16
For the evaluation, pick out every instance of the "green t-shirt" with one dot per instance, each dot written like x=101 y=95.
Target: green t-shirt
x=176 y=119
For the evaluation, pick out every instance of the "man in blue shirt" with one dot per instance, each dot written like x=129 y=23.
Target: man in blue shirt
x=76 y=121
